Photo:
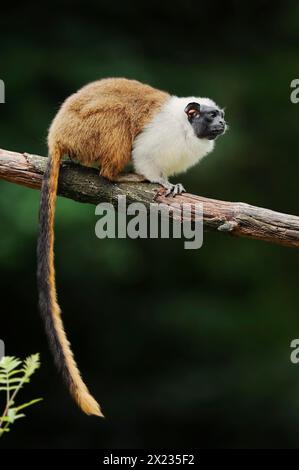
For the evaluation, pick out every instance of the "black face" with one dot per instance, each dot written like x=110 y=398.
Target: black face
x=207 y=121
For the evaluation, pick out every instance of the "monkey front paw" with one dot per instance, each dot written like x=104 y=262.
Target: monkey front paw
x=175 y=189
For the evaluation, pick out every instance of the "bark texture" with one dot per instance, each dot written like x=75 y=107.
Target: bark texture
x=85 y=185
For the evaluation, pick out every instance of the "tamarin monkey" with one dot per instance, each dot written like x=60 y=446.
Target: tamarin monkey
x=106 y=124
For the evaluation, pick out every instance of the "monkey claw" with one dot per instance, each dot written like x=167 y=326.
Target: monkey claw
x=175 y=189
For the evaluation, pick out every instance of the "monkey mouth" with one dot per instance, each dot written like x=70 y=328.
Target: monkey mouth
x=215 y=132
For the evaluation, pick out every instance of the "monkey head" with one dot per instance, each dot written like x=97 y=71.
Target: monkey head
x=207 y=121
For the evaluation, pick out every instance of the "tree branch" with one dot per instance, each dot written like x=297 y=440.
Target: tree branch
x=85 y=185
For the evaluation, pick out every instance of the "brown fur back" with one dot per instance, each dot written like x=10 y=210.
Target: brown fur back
x=98 y=124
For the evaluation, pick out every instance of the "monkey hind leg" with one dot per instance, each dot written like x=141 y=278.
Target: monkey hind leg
x=128 y=178
x=113 y=172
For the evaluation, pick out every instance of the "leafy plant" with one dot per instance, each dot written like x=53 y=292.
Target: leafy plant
x=14 y=373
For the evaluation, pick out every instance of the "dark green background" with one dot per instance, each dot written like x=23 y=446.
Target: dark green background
x=182 y=348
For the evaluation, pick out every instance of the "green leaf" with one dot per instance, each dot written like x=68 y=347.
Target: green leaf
x=31 y=364
x=8 y=363
x=17 y=371
x=15 y=413
x=5 y=418
x=14 y=387
x=15 y=380
x=32 y=402
x=11 y=415
x=12 y=380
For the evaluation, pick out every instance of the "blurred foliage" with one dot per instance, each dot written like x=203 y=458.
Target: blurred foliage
x=182 y=348
x=14 y=374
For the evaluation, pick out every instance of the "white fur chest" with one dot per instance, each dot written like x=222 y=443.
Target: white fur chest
x=168 y=145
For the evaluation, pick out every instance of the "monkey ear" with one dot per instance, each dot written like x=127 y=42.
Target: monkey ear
x=192 y=109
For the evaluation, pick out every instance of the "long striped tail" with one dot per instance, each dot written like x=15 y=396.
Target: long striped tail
x=49 y=308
